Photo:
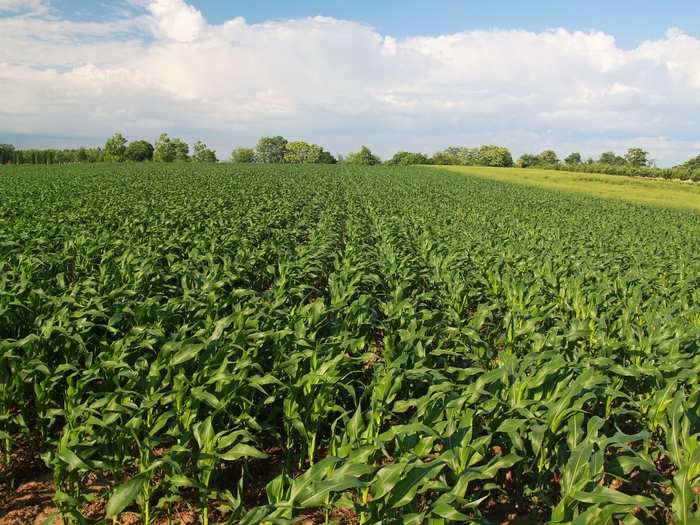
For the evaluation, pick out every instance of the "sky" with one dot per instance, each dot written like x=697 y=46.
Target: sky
x=587 y=76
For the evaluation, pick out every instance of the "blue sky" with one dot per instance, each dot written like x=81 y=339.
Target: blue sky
x=394 y=75
x=629 y=21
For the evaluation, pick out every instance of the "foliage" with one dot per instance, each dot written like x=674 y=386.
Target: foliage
x=491 y=155
x=243 y=155
x=457 y=156
x=364 y=157
x=270 y=150
x=170 y=149
x=300 y=152
x=573 y=159
x=548 y=158
x=487 y=155
x=611 y=158
x=55 y=156
x=406 y=158
x=139 y=151
x=201 y=153
x=526 y=160
x=637 y=157
x=115 y=148
x=692 y=164
x=6 y=153
x=399 y=343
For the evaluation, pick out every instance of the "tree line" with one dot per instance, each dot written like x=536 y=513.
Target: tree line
x=277 y=149
x=274 y=149
x=634 y=163
x=116 y=149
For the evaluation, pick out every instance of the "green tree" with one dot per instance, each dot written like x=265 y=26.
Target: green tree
x=457 y=156
x=491 y=155
x=300 y=152
x=637 y=157
x=243 y=155
x=139 y=151
x=270 y=149
x=363 y=157
x=548 y=158
x=406 y=158
x=6 y=153
x=170 y=150
x=203 y=154
x=326 y=158
x=574 y=159
x=610 y=158
x=526 y=160
x=115 y=148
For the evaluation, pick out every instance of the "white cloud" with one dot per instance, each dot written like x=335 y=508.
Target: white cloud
x=23 y=6
x=342 y=84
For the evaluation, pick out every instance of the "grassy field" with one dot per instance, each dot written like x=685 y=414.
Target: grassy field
x=261 y=344
x=673 y=194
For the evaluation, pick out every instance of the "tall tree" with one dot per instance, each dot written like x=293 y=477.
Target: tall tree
x=170 y=150
x=203 y=154
x=637 y=157
x=270 y=149
x=115 y=148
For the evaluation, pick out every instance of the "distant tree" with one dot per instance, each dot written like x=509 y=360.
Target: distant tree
x=182 y=150
x=139 y=151
x=491 y=155
x=407 y=158
x=270 y=149
x=170 y=150
x=637 y=157
x=693 y=164
x=442 y=158
x=574 y=159
x=6 y=153
x=548 y=158
x=300 y=152
x=243 y=155
x=326 y=158
x=456 y=155
x=609 y=157
x=363 y=157
x=526 y=160
x=115 y=148
x=201 y=153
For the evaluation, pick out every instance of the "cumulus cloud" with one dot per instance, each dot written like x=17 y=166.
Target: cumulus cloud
x=342 y=84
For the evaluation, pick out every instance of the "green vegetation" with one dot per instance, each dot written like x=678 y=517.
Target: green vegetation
x=397 y=345
x=139 y=151
x=488 y=155
x=170 y=149
x=635 y=163
x=201 y=153
x=655 y=192
x=363 y=157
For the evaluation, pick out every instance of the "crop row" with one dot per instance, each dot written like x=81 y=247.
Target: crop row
x=383 y=345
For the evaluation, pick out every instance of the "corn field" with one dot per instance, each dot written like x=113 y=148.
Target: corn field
x=336 y=344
